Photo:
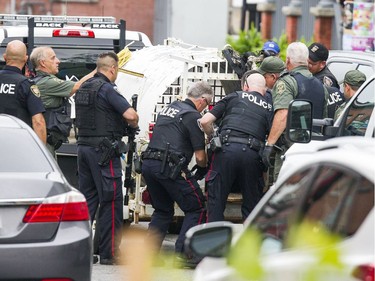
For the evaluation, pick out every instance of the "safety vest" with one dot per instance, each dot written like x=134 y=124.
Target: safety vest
x=10 y=82
x=310 y=88
x=93 y=119
x=248 y=113
x=170 y=129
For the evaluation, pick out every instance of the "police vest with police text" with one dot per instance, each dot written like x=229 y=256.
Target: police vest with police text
x=170 y=129
x=92 y=118
x=248 y=114
x=9 y=103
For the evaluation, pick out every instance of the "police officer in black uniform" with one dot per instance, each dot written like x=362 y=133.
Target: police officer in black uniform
x=318 y=54
x=19 y=96
x=245 y=120
x=176 y=137
x=101 y=112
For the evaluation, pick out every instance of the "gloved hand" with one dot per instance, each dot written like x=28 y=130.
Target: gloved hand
x=131 y=132
x=200 y=172
x=266 y=155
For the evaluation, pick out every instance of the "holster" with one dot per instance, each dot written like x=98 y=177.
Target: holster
x=176 y=163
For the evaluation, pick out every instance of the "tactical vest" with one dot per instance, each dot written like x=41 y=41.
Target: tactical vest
x=92 y=118
x=310 y=88
x=248 y=114
x=9 y=102
x=170 y=129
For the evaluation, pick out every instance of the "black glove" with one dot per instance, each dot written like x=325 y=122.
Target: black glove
x=200 y=172
x=132 y=132
x=266 y=156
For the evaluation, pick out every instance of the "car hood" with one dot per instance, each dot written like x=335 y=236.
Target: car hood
x=17 y=192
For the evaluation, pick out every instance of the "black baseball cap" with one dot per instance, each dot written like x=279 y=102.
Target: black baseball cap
x=318 y=52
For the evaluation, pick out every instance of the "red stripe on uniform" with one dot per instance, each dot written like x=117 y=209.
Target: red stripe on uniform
x=113 y=208
x=199 y=200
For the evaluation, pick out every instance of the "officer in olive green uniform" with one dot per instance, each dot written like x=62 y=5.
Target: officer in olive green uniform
x=353 y=80
x=297 y=83
x=54 y=93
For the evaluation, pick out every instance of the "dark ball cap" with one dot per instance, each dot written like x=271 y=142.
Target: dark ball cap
x=318 y=52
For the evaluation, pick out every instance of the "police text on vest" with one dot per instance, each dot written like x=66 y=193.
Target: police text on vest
x=7 y=89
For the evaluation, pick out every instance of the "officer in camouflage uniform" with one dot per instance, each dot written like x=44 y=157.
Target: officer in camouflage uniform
x=54 y=93
x=19 y=96
x=298 y=83
x=352 y=82
x=318 y=55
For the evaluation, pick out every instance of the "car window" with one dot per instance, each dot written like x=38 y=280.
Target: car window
x=340 y=68
x=360 y=111
x=366 y=69
x=280 y=210
x=20 y=152
x=330 y=196
x=327 y=197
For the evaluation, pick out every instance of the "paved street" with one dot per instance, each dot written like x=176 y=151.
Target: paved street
x=137 y=263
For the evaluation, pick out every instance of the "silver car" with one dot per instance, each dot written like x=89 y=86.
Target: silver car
x=45 y=231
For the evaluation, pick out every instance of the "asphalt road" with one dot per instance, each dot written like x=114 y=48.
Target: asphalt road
x=137 y=263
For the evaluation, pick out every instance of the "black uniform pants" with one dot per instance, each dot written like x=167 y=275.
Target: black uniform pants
x=102 y=187
x=234 y=166
x=163 y=193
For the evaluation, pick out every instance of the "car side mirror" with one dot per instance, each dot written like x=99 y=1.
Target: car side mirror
x=299 y=122
x=209 y=240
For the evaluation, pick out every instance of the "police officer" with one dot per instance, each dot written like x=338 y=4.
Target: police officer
x=353 y=80
x=297 y=83
x=54 y=93
x=270 y=48
x=176 y=137
x=19 y=96
x=318 y=55
x=245 y=120
x=101 y=112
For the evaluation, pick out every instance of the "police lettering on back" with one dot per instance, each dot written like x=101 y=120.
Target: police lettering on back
x=169 y=111
x=256 y=100
x=7 y=89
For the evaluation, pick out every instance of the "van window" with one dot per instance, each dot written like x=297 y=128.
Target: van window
x=360 y=111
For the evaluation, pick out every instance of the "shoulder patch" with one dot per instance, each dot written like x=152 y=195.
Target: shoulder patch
x=327 y=81
x=280 y=87
x=35 y=90
x=116 y=89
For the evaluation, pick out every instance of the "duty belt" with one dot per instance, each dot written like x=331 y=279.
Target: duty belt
x=155 y=155
x=252 y=142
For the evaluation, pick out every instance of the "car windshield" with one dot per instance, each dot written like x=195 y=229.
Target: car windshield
x=20 y=152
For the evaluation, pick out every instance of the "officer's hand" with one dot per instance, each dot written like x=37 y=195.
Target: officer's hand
x=133 y=131
x=267 y=155
x=200 y=172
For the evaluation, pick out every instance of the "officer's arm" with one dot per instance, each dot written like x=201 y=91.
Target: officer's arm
x=80 y=82
x=39 y=126
x=207 y=123
x=201 y=158
x=131 y=117
x=278 y=125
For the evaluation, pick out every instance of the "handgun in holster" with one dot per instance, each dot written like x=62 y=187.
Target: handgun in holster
x=108 y=149
x=176 y=163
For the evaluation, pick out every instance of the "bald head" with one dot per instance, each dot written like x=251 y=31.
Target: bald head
x=256 y=82
x=15 y=54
